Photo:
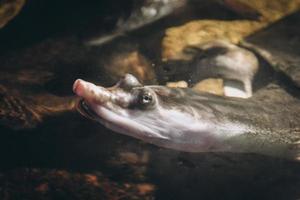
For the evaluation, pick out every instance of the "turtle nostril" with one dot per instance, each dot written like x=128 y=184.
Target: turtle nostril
x=79 y=87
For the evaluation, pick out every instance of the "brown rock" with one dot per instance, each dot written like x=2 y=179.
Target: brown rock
x=200 y=31
x=210 y=85
x=129 y=157
x=178 y=84
x=92 y=179
x=197 y=32
x=213 y=86
x=134 y=63
x=145 y=188
x=9 y=9
x=49 y=184
x=44 y=187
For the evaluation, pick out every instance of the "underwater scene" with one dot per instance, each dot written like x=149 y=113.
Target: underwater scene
x=149 y=99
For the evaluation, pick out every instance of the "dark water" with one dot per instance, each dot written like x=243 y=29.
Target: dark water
x=35 y=161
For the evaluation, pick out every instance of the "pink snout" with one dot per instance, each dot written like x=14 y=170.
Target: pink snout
x=90 y=92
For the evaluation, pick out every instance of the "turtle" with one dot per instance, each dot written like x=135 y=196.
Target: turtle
x=184 y=120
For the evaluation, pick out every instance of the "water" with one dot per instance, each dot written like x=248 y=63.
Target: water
x=66 y=156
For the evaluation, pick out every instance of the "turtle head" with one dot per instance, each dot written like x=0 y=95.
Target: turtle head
x=127 y=107
x=156 y=114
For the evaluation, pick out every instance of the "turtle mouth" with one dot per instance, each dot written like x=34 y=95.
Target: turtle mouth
x=86 y=110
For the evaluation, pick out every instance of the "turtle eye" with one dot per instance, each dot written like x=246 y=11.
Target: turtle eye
x=146 y=98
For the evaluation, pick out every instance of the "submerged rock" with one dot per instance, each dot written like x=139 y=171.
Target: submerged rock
x=25 y=109
x=216 y=59
x=9 y=9
x=36 y=183
x=200 y=31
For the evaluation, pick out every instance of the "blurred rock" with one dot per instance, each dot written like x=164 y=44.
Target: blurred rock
x=242 y=9
x=279 y=46
x=19 y=110
x=9 y=9
x=179 y=84
x=273 y=10
x=199 y=31
x=130 y=62
x=211 y=85
x=37 y=183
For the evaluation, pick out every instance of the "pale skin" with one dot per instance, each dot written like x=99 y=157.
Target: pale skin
x=183 y=120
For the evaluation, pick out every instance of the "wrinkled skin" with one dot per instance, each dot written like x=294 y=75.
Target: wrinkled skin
x=195 y=122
